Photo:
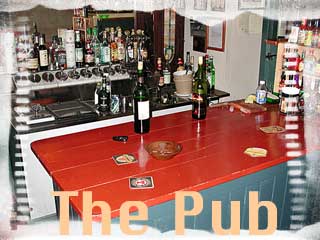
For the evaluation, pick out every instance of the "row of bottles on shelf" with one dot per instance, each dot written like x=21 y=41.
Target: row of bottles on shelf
x=106 y=102
x=69 y=50
x=306 y=33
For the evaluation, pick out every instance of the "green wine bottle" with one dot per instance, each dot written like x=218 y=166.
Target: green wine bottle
x=199 y=93
x=141 y=106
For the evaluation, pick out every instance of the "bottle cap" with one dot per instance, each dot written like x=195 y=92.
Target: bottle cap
x=262 y=82
x=140 y=65
x=106 y=74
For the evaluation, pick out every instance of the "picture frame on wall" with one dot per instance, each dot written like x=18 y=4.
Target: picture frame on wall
x=216 y=36
x=251 y=4
x=200 y=5
x=218 y=5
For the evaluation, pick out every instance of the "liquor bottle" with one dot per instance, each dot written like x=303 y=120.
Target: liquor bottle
x=302 y=32
x=212 y=74
x=158 y=74
x=43 y=54
x=167 y=71
x=261 y=93
x=96 y=95
x=33 y=56
x=141 y=107
x=88 y=54
x=315 y=34
x=309 y=63
x=104 y=95
x=187 y=64
x=207 y=71
x=95 y=44
x=309 y=32
x=70 y=48
x=54 y=51
x=301 y=61
x=135 y=44
x=61 y=56
x=199 y=93
x=192 y=63
x=89 y=34
x=35 y=32
x=128 y=47
x=113 y=46
x=120 y=46
x=143 y=46
x=180 y=66
x=79 y=50
x=105 y=50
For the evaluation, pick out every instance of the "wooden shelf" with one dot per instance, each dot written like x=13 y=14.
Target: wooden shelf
x=279 y=64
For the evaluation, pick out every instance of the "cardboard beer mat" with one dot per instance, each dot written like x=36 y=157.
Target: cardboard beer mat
x=256 y=152
x=123 y=159
x=272 y=129
x=141 y=182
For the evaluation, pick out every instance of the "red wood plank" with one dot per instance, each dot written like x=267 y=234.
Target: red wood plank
x=212 y=154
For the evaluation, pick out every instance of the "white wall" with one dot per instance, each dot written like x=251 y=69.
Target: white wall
x=237 y=68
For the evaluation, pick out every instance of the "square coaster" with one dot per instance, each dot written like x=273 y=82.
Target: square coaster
x=123 y=159
x=141 y=182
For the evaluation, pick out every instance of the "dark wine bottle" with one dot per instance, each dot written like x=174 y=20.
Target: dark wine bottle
x=104 y=95
x=141 y=107
x=43 y=54
x=199 y=93
x=78 y=50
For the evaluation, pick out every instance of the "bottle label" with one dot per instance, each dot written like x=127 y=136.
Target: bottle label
x=130 y=53
x=32 y=63
x=70 y=55
x=89 y=58
x=105 y=54
x=79 y=55
x=43 y=58
x=167 y=77
x=62 y=59
x=143 y=110
x=261 y=97
x=121 y=52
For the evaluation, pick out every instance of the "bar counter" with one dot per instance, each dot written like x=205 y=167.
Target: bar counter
x=212 y=155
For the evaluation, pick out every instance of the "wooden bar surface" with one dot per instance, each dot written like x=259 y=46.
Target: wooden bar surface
x=212 y=154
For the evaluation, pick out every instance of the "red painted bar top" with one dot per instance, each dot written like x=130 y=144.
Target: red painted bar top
x=212 y=154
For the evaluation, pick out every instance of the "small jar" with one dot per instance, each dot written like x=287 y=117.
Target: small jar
x=289 y=101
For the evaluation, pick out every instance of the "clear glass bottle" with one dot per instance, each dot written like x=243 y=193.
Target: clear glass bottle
x=105 y=50
x=95 y=44
x=120 y=46
x=187 y=64
x=167 y=71
x=261 y=93
x=113 y=46
x=61 y=55
x=88 y=54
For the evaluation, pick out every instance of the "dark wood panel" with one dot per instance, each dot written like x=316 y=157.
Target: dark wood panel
x=158 y=27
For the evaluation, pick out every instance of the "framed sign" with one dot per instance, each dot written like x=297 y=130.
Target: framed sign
x=216 y=36
x=218 y=5
x=251 y=4
x=200 y=5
